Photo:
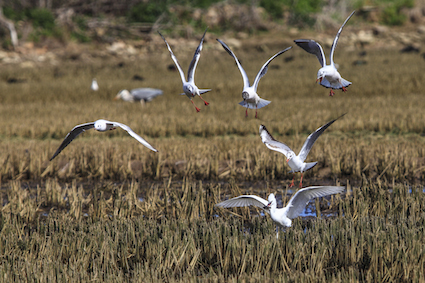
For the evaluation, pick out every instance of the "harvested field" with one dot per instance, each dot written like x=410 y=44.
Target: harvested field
x=109 y=209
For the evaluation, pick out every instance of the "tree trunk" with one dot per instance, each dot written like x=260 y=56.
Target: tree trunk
x=11 y=27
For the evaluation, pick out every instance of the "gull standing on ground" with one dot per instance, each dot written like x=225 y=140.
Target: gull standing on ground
x=296 y=162
x=94 y=85
x=101 y=126
x=283 y=216
x=250 y=97
x=328 y=76
x=189 y=87
x=138 y=94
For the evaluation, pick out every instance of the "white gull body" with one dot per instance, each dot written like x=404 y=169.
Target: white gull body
x=296 y=162
x=250 y=97
x=101 y=126
x=138 y=94
x=328 y=75
x=94 y=85
x=189 y=87
x=283 y=216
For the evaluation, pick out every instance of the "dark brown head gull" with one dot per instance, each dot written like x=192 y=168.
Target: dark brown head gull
x=283 y=216
x=101 y=126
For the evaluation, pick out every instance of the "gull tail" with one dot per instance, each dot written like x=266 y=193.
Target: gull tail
x=202 y=91
x=307 y=167
x=260 y=104
x=327 y=84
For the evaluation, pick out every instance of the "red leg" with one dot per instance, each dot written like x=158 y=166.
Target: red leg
x=246 y=112
x=206 y=103
x=292 y=184
x=256 y=116
x=344 y=89
x=197 y=109
x=301 y=181
x=332 y=92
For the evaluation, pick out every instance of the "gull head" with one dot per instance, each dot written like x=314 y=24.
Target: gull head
x=124 y=95
x=100 y=125
x=245 y=95
x=290 y=156
x=272 y=202
x=320 y=75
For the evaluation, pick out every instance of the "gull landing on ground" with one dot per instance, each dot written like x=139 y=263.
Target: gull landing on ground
x=283 y=216
x=296 y=162
x=250 y=97
x=328 y=75
x=101 y=126
x=189 y=87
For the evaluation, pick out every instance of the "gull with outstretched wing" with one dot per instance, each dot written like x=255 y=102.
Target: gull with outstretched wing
x=101 y=126
x=250 y=97
x=328 y=75
x=296 y=162
x=189 y=87
x=283 y=216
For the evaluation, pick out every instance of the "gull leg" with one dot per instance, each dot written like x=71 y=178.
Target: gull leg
x=206 y=103
x=343 y=88
x=246 y=112
x=292 y=184
x=332 y=92
x=301 y=182
x=197 y=109
x=256 y=112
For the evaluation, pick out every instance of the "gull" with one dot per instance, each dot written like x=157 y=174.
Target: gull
x=283 y=216
x=101 y=126
x=189 y=87
x=94 y=85
x=250 y=97
x=328 y=76
x=138 y=94
x=296 y=162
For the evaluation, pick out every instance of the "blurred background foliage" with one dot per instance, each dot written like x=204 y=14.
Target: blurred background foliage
x=76 y=19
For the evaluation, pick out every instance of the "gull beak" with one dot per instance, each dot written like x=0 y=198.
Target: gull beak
x=268 y=205
x=287 y=160
x=319 y=80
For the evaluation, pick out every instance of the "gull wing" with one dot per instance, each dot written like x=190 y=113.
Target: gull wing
x=146 y=94
x=174 y=59
x=311 y=139
x=192 y=66
x=134 y=135
x=273 y=144
x=297 y=203
x=243 y=73
x=72 y=135
x=337 y=37
x=264 y=68
x=314 y=48
x=244 y=200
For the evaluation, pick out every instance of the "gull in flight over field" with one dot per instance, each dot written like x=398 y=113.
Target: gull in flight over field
x=283 y=216
x=189 y=87
x=138 y=94
x=94 y=85
x=101 y=126
x=296 y=162
x=250 y=97
x=328 y=76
